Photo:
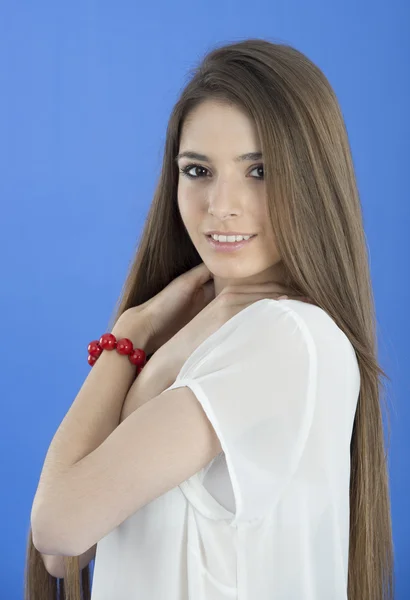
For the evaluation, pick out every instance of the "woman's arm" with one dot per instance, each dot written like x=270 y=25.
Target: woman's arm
x=92 y=417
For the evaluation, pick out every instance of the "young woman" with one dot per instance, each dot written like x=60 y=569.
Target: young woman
x=246 y=459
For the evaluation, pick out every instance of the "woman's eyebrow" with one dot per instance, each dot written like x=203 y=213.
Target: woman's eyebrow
x=197 y=156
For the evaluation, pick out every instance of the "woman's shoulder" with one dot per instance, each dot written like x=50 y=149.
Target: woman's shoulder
x=272 y=321
x=303 y=315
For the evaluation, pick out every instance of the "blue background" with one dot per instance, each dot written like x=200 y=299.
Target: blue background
x=86 y=89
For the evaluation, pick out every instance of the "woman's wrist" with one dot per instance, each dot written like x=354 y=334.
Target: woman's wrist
x=133 y=328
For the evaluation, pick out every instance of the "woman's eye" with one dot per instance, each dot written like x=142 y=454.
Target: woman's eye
x=186 y=171
x=256 y=169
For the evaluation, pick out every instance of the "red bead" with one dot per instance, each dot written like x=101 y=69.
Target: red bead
x=94 y=348
x=138 y=357
x=124 y=346
x=108 y=341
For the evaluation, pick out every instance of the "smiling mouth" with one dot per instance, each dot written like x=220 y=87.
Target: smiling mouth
x=228 y=246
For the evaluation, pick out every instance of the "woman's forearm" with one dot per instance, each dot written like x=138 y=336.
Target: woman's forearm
x=95 y=412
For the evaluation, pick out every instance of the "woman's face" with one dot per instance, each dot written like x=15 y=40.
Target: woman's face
x=225 y=194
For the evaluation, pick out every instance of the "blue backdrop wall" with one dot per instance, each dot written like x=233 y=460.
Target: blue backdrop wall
x=86 y=89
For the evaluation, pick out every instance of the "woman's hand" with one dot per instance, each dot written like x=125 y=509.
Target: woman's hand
x=172 y=308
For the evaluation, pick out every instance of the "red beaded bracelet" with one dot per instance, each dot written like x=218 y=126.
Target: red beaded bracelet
x=124 y=346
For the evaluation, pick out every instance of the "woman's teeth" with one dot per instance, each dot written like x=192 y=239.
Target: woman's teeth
x=230 y=238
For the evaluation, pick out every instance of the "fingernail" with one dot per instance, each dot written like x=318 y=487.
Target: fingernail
x=283 y=298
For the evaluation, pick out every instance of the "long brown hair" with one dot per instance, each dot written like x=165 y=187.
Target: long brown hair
x=316 y=215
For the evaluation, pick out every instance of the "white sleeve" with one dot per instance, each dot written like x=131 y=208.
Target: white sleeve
x=258 y=387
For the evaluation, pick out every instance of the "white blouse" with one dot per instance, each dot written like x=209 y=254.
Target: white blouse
x=268 y=518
